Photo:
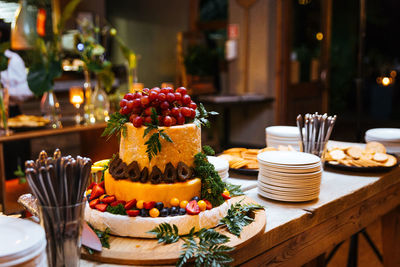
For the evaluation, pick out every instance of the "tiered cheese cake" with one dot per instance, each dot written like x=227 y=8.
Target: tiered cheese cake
x=155 y=177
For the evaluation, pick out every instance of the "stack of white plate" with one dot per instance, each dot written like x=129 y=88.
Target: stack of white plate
x=22 y=243
x=389 y=137
x=221 y=166
x=289 y=176
x=283 y=136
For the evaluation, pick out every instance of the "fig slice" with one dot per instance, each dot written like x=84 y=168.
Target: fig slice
x=113 y=165
x=169 y=173
x=184 y=172
x=144 y=175
x=132 y=172
x=156 y=175
x=119 y=173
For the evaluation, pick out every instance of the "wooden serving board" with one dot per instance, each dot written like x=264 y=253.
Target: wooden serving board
x=141 y=251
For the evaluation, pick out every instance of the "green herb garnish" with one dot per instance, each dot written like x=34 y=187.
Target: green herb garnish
x=202 y=115
x=153 y=143
x=205 y=247
x=239 y=216
x=119 y=209
x=115 y=125
x=212 y=186
x=234 y=190
x=166 y=233
x=208 y=151
x=208 y=251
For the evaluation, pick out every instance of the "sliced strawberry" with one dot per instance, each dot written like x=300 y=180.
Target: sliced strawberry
x=192 y=208
x=108 y=199
x=102 y=184
x=225 y=196
x=130 y=204
x=133 y=213
x=101 y=207
x=148 y=205
x=96 y=192
x=91 y=185
x=209 y=205
x=117 y=202
x=94 y=202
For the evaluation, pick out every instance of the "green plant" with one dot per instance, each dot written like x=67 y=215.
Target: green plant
x=46 y=57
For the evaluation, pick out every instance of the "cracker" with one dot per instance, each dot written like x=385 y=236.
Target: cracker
x=268 y=149
x=380 y=157
x=375 y=147
x=337 y=154
x=391 y=161
x=354 y=152
x=234 y=150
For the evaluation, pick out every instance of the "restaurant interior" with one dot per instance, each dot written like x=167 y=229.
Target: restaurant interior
x=182 y=108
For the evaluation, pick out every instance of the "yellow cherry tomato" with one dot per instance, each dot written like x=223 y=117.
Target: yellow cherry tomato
x=183 y=204
x=139 y=204
x=226 y=192
x=174 y=202
x=202 y=205
x=154 y=212
x=89 y=191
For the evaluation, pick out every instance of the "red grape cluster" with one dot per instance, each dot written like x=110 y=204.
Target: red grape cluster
x=172 y=107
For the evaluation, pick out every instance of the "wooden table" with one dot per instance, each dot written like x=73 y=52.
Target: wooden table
x=297 y=233
x=91 y=146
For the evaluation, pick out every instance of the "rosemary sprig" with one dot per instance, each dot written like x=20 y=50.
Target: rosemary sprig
x=202 y=115
x=153 y=143
x=115 y=125
x=238 y=216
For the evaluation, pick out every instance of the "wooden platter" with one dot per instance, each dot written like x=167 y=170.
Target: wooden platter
x=140 y=251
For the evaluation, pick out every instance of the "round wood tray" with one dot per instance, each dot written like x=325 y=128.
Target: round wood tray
x=126 y=250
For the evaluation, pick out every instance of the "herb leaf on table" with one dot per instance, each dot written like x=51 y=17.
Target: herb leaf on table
x=166 y=233
x=103 y=236
x=234 y=190
x=239 y=216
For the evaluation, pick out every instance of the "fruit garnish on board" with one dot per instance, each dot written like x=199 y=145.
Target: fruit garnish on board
x=154 y=108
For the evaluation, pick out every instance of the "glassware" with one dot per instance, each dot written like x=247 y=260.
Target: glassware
x=76 y=99
x=88 y=107
x=23 y=29
x=50 y=108
x=63 y=227
x=101 y=105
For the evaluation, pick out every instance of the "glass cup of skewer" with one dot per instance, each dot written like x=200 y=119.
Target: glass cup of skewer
x=317 y=148
x=63 y=227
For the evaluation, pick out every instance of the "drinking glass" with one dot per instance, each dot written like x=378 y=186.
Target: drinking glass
x=76 y=98
x=63 y=227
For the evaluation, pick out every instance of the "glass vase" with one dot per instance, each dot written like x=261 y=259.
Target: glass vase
x=88 y=107
x=101 y=104
x=23 y=29
x=50 y=108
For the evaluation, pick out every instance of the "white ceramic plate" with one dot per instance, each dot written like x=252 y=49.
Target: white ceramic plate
x=288 y=158
x=296 y=193
x=282 y=187
x=220 y=164
x=286 y=198
x=291 y=184
x=283 y=131
x=384 y=134
x=18 y=238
